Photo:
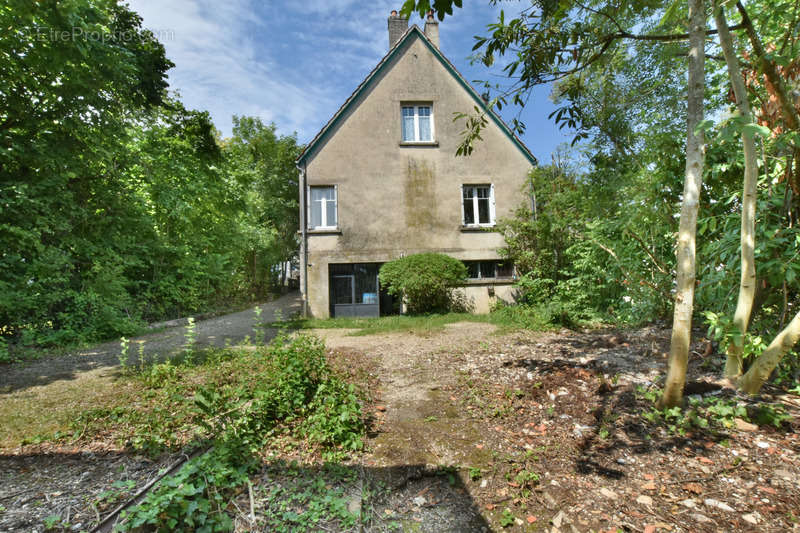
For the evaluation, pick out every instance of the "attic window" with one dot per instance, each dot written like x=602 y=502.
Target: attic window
x=418 y=123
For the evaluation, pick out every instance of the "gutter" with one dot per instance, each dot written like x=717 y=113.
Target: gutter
x=304 y=233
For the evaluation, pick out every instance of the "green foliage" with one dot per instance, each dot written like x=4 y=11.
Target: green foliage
x=710 y=413
x=119 y=205
x=286 y=387
x=578 y=255
x=507 y=518
x=424 y=281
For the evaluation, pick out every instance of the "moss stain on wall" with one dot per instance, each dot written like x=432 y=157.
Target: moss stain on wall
x=420 y=201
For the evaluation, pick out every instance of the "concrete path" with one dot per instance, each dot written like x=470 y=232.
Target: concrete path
x=231 y=328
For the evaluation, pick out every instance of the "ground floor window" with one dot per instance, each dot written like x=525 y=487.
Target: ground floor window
x=492 y=269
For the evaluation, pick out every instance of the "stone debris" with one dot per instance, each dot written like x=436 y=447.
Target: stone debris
x=711 y=502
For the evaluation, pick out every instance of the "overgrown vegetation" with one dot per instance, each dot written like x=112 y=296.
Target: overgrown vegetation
x=236 y=402
x=597 y=237
x=425 y=282
x=119 y=205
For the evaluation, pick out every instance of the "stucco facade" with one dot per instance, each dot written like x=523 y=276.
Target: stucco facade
x=395 y=198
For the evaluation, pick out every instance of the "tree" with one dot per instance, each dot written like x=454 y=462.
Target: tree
x=262 y=163
x=695 y=158
x=72 y=73
x=575 y=45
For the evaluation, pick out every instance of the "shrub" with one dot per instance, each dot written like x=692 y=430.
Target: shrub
x=425 y=281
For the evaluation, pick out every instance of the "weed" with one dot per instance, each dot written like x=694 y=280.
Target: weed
x=286 y=388
x=507 y=518
x=123 y=352
x=526 y=478
x=258 y=327
x=772 y=414
x=141 y=355
x=189 y=338
x=475 y=474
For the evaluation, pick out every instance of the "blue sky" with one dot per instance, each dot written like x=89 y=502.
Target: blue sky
x=295 y=63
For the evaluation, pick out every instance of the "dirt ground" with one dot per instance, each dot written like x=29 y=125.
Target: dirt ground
x=478 y=431
x=544 y=432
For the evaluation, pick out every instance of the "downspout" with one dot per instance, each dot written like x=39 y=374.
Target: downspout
x=304 y=233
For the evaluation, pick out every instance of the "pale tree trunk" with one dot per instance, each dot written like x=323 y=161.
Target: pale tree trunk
x=762 y=367
x=747 y=283
x=684 y=297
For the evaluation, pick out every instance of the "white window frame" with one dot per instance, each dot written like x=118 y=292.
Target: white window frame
x=416 y=107
x=475 y=211
x=323 y=206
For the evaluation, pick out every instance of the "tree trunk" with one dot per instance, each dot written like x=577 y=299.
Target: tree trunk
x=790 y=114
x=747 y=283
x=684 y=297
x=759 y=372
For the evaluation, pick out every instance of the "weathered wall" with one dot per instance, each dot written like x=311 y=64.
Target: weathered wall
x=395 y=200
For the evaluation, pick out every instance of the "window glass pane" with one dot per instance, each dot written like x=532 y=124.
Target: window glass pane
x=472 y=269
x=408 y=124
x=483 y=192
x=487 y=269
x=408 y=129
x=483 y=211
x=341 y=269
x=468 y=192
x=366 y=284
x=505 y=270
x=469 y=211
x=343 y=290
x=424 y=113
x=330 y=208
x=316 y=214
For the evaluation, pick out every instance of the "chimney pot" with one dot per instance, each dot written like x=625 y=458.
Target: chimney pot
x=432 y=29
x=397 y=27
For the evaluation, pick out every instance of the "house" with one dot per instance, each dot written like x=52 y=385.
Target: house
x=381 y=180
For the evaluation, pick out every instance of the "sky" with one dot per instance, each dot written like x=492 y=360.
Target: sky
x=295 y=63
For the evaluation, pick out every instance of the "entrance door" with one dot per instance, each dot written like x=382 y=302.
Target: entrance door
x=354 y=290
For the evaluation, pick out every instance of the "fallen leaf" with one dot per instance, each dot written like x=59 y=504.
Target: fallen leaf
x=649 y=528
x=649 y=477
x=649 y=486
x=705 y=460
x=490 y=506
x=768 y=490
x=693 y=487
x=531 y=519
x=479 y=446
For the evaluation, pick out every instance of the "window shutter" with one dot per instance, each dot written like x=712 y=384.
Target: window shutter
x=492 y=219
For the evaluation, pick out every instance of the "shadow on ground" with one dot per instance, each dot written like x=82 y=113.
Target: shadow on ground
x=83 y=488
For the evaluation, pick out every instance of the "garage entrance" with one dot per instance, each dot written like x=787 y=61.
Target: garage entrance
x=355 y=290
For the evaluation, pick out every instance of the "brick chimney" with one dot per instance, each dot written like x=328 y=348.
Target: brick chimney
x=397 y=27
x=432 y=29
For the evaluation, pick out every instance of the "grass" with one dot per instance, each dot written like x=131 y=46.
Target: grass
x=506 y=318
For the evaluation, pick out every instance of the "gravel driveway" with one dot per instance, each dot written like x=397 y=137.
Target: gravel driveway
x=232 y=328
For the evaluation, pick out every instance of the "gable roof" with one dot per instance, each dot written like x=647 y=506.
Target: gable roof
x=413 y=30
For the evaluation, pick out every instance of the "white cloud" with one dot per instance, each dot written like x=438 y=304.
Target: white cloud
x=220 y=66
